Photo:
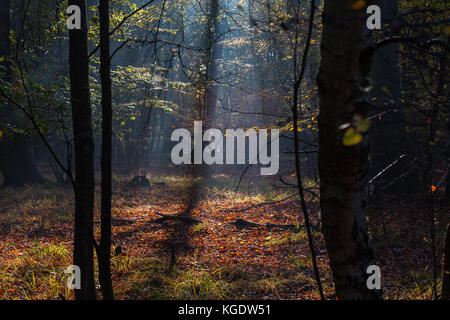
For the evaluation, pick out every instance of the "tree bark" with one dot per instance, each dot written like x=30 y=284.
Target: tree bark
x=447 y=154
x=447 y=148
x=445 y=294
x=343 y=73
x=104 y=252
x=213 y=52
x=83 y=255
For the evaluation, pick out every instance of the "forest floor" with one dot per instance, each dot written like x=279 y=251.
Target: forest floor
x=212 y=259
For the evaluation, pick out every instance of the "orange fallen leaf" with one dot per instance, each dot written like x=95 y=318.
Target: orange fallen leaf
x=358 y=4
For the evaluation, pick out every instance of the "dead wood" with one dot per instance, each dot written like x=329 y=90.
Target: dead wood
x=243 y=224
x=176 y=217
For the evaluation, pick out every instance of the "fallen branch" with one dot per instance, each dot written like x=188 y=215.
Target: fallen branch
x=166 y=217
x=260 y=204
x=243 y=224
x=121 y=222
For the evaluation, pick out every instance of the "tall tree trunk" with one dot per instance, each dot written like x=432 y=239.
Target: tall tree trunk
x=83 y=254
x=16 y=159
x=447 y=154
x=445 y=294
x=344 y=169
x=447 y=148
x=214 y=52
x=432 y=131
x=104 y=253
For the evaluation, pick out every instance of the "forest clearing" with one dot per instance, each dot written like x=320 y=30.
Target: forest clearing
x=212 y=259
x=224 y=150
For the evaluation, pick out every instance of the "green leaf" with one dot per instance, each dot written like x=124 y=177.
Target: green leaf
x=351 y=138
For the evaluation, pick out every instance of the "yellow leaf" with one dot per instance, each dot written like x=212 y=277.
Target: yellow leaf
x=1 y=133
x=351 y=137
x=358 y=4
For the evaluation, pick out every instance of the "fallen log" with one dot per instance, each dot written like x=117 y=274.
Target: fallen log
x=260 y=204
x=121 y=222
x=243 y=224
x=176 y=217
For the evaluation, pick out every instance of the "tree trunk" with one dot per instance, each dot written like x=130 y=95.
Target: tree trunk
x=84 y=155
x=447 y=148
x=16 y=160
x=447 y=154
x=344 y=68
x=214 y=52
x=104 y=253
x=445 y=294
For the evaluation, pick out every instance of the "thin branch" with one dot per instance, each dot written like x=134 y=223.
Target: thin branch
x=301 y=191
x=121 y=23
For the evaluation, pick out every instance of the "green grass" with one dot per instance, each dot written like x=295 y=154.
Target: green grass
x=36 y=274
